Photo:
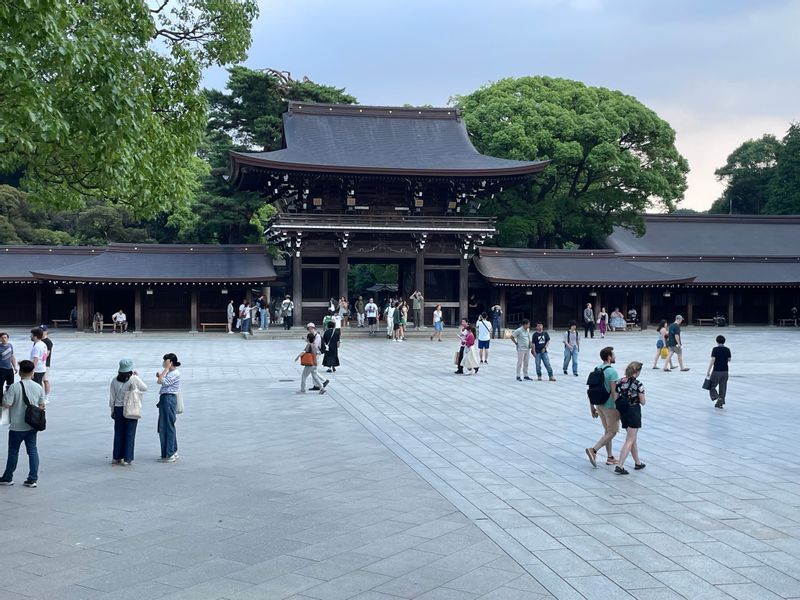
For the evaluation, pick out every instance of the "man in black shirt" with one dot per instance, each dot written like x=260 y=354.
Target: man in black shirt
x=718 y=371
x=540 y=340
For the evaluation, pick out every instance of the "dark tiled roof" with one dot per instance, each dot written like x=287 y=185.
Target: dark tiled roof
x=711 y=235
x=160 y=263
x=728 y=271
x=16 y=262
x=357 y=139
x=567 y=267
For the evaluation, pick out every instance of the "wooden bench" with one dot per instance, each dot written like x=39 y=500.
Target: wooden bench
x=701 y=322
x=785 y=322
x=57 y=322
x=204 y=325
x=631 y=325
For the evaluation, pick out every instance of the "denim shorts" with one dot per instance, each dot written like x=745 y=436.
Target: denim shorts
x=483 y=344
x=438 y=326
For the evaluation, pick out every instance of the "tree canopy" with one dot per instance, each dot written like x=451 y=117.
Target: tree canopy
x=102 y=99
x=762 y=177
x=613 y=158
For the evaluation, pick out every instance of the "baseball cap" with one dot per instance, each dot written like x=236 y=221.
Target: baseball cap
x=678 y=318
x=310 y=325
x=43 y=327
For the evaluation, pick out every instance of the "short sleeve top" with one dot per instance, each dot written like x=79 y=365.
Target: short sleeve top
x=630 y=388
x=721 y=356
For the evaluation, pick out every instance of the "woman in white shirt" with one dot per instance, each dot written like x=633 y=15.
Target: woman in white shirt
x=124 y=428
x=438 y=324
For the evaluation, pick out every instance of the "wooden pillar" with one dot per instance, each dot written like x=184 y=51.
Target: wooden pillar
x=730 y=307
x=690 y=306
x=137 y=308
x=645 y=316
x=771 y=308
x=550 y=309
x=343 y=276
x=463 y=289
x=84 y=315
x=419 y=273
x=38 y=304
x=502 y=303
x=193 y=311
x=297 y=289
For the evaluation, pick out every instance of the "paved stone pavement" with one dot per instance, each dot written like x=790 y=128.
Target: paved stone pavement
x=406 y=481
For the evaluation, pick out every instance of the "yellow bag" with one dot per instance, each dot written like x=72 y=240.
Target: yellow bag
x=664 y=352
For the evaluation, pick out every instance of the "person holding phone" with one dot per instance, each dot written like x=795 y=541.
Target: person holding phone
x=169 y=378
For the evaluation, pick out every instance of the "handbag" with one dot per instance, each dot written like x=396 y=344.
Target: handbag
x=664 y=352
x=456 y=362
x=179 y=403
x=707 y=385
x=34 y=416
x=132 y=404
x=308 y=359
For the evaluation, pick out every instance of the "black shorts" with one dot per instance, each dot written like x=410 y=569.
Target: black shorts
x=629 y=416
x=372 y=320
x=39 y=377
x=396 y=326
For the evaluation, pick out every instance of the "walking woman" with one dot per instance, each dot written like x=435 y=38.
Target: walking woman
x=629 y=398
x=469 y=360
x=572 y=346
x=170 y=381
x=127 y=380
x=438 y=324
x=602 y=321
x=403 y=319
x=308 y=358
x=330 y=346
x=718 y=371
x=661 y=344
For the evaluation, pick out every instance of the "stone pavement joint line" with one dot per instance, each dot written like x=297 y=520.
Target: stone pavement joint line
x=406 y=481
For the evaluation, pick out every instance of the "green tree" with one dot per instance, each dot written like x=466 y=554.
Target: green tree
x=747 y=174
x=784 y=188
x=102 y=99
x=613 y=158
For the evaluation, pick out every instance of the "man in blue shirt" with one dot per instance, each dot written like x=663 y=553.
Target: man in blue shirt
x=607 y=412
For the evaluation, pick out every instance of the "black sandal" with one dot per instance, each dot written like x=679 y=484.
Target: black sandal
x=621 y=471
x=639 y=467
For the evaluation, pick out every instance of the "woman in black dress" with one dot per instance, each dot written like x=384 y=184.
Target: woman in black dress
x=330 y=347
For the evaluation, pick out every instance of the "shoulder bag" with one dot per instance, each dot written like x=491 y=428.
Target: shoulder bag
x=308 y=359
x=34 y=416
x=132 y=403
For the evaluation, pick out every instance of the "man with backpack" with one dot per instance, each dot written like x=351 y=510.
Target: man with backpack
x=601 y=387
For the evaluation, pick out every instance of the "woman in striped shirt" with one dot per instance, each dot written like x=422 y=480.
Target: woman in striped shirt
x=170 y=380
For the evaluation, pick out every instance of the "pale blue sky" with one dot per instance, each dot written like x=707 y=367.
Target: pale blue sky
x=719 y=71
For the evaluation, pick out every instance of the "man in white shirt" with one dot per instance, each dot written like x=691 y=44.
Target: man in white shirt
x=120 y=320
x=287 y=310
x=484 y=337
x=371 y=310
x=38 y=356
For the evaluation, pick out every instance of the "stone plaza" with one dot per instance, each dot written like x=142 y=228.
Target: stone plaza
x=407 y=481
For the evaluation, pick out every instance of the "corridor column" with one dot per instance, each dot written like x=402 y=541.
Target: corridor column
x=463 y=289
x=137 y=308
x=193 y=312
x=690 y=307
x=343 y=277
x=771 y=308
x=730 y=307
x=297 y=289
x=502 y=304
x=645 y=318
x=550 y=309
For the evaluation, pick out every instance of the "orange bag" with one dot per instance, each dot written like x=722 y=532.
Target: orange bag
x=308 y=359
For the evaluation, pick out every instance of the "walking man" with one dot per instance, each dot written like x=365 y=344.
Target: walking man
x=541 y=341
x=718 y=371
x=607 y=412
x=417 y=303
x=19 y=431
x=572 y=346
x=522 y=340
x=8 y=363
x=38 y=356
x=287 y=310
x=371 y=310
x=588 y=320
x=674 y=344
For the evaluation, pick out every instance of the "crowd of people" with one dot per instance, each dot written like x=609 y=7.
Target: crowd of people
x=613 y=399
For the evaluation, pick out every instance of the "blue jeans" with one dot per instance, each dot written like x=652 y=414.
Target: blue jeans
x=246 y=325
x=264 y=318
x=15 y=439
x=571 y=355
x=166 y=424
x=543 y=358
x=124 y=435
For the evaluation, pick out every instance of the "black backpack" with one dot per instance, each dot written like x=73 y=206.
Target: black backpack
x=597 y=392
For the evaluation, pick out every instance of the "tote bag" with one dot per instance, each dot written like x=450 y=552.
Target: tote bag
x=132 y=404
